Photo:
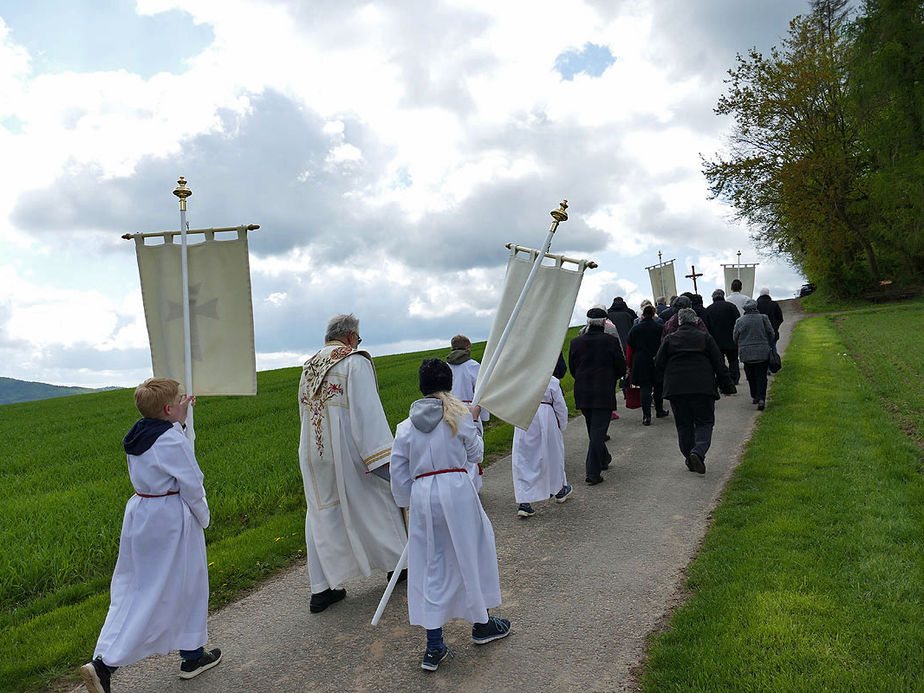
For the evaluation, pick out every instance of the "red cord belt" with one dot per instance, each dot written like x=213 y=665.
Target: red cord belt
x=440 y=471
x=156 y=495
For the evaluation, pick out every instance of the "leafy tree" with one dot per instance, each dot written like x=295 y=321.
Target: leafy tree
x=794 y=171
x=887 y=85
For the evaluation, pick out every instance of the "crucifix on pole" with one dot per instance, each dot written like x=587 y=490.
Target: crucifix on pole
x=693 y=275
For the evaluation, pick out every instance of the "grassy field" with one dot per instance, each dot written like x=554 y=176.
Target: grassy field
x=65 y=487
x=812 y=576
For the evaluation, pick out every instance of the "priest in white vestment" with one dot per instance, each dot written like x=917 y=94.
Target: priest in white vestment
x=353 y=525
x=464 y=376
x=539 y=453
x=452 y=558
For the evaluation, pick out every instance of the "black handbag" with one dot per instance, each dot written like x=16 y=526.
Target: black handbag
x=776 y=363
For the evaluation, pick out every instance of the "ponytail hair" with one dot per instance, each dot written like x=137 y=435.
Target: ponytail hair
x=453 y=410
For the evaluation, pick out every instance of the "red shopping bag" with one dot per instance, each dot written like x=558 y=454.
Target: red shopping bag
x=633 y=397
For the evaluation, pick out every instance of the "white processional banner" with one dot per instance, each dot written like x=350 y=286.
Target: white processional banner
x=662 y=281
x=743 y=272
x=514 y=391
x=220 y=312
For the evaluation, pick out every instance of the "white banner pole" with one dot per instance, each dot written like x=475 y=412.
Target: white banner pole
x=558 y=215
x=395 y=576
x=182 y=192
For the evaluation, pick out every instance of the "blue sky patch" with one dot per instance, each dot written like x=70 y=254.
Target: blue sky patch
x=103 y=35
x=591 y=60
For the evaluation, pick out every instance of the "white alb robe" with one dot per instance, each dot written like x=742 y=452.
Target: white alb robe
x=464 y=377
x=159 y=595
x=352 y=525
x=539 y=452
x=452 y=557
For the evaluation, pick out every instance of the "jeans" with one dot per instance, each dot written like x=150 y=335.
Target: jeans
x=598 y=457
x=694 y=416
x=757 y=379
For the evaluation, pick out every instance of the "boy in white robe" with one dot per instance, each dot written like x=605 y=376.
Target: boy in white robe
x=159 y=595
x=464 y=376
x=539 y=454
x=452 y=558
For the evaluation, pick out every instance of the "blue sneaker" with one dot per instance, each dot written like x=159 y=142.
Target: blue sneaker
x=525 y=510
x=562 y=495
x=494 y=629
x=432 y=658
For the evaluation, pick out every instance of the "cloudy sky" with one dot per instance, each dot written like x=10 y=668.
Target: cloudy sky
x=388 y=150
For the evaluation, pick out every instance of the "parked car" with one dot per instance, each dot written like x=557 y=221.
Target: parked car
x=805 y=290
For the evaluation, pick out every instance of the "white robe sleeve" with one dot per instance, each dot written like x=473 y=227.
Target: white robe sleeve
x=185 y=469
x=558 y=403
x=368 y=424
x=474 y=449
x=400 y=467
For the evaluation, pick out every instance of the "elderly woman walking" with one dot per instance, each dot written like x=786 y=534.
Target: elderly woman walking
x=692 y=365
x=754 y=336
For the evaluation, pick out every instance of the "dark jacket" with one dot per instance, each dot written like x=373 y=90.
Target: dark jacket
x=622 y=317
x=722 y=315
x=691 y=363
x=596 y=362
x=644 y=340
x=753 y=335
x=772 y=310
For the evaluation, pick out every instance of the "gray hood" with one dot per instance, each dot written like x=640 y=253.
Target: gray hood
x=426 y=413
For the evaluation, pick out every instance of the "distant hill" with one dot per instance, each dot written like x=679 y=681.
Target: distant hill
x=12 y=390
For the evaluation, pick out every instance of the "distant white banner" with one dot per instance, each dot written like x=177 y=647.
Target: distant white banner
x=514 y=390
x=662 y=281
x=743 y=272
x=220 y=308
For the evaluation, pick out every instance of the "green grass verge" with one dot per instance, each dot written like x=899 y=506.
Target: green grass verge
x=65 y=487
x=812 y=575
x=820 y=302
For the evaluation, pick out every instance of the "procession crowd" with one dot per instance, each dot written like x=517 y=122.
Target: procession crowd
x=378 y=502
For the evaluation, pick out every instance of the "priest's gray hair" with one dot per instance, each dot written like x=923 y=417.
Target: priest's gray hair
x=340 y=326
x=686 y=316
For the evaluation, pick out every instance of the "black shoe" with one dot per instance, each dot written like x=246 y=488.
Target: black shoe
x=95 y=676
x=686 y=461
x=525 y=510
x=401 y=578
x=322 y=600
x=661 y=414
x=432 y=658
x=754 y=400
x=593 y=482
x=191 y=668
x=646 y=421
x=761 y=405
x=697 y=463
x=494 y=629
x=606 y=437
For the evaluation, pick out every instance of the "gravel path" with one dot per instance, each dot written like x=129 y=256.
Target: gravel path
x=583 y=582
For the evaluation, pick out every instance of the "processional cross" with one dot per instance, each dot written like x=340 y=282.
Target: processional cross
x=693 y=275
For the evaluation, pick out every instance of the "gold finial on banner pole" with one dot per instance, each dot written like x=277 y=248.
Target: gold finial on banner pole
x=559 y=215
x=182 y=192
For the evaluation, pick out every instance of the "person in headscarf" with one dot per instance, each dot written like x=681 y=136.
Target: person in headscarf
x=754 y=336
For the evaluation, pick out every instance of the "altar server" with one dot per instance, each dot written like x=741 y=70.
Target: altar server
x=464 y=376
x=539 y=453
x=452 y=558
x=352 y=526
x=159 y=595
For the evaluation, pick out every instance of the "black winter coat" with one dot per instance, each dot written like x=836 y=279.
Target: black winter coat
x=622 y=317
x=722 y=315
x=691 y=362
x=772 y=310
x=644 y=339
x=596 y=362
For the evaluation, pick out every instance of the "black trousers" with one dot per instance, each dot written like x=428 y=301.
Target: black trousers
x=647 y=391
x=694 y=416
x=731 y=355
x=598 y=457
x=757 y=379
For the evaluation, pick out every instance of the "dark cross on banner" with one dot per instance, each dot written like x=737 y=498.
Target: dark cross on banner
x=693 y=275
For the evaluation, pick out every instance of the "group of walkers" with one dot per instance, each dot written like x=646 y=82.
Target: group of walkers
x=370 y=494
x=685 y=353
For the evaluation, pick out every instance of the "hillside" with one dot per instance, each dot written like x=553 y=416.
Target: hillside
x=12 y=390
